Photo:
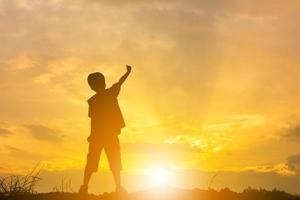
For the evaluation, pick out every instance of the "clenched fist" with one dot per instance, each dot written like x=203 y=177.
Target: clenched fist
x=128 y=67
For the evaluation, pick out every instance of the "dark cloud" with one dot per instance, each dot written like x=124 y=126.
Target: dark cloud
x=293 y=163
x=13 y=149
x=5 y=132
x=41 y=132
x=293 y=133
x=26 y=155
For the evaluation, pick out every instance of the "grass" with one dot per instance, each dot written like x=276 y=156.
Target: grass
x=19 y=185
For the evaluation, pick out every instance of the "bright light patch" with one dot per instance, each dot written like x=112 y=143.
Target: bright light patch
x=159 y=177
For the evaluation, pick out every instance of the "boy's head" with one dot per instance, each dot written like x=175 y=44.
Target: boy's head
x=96 y=81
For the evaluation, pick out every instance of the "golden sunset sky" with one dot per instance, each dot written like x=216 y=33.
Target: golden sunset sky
x=214 y=89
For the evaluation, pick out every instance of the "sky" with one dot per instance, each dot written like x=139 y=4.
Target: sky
x=213 y=90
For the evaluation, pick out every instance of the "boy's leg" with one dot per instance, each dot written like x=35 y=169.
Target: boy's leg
x=117 y=178
x=86 y=178
x=91 y=165
x=87 y=175
x=112 y=150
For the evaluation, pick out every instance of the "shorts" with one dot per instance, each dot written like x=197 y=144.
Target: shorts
x=111 y=146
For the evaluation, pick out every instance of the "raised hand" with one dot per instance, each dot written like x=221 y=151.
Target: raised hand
x=123 y=78
x=128 y=67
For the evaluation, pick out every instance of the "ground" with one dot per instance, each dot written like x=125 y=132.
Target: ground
x=164 y=194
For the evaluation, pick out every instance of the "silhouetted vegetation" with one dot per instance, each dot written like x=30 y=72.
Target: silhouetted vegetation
x=19 y=185
x=65 y=186
x=165 y=194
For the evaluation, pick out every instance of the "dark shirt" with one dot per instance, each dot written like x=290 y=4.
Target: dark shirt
x=105 y=113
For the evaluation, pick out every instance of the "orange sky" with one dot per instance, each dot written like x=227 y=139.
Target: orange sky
x=214 y=88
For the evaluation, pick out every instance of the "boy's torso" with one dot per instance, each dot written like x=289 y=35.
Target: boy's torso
x=105 y=113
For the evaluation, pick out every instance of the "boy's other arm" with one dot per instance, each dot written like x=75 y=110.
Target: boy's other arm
x=124 y=77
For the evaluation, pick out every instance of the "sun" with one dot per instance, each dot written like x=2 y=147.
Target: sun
x=159 y=177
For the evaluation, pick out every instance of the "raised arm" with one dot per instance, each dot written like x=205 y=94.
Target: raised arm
x=124 y=77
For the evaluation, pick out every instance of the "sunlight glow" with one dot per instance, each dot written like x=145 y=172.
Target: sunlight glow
x=159 y=177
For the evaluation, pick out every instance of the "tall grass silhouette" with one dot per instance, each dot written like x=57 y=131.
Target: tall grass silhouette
x=65 y=186
x=20 y=184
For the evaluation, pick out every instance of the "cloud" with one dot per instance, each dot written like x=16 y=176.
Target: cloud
x=280 y=169
x=26 y=155
x=5 y=132
x=5 y=129
x=44 y=133
x=13 y=149
x=293 y=133
x=293 y=163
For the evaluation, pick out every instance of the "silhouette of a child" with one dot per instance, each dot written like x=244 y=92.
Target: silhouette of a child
x=106 y=124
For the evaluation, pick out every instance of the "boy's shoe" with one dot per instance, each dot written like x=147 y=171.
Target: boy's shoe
x=83 y=190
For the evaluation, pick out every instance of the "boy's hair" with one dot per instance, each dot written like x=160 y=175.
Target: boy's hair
x=95 y=78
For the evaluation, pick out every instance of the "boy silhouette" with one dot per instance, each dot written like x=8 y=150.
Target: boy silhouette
x=106 y=124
